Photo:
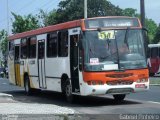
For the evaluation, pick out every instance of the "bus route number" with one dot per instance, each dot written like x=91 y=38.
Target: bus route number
x=106 y=35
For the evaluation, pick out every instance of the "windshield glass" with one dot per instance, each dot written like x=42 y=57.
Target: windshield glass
x=114 y=50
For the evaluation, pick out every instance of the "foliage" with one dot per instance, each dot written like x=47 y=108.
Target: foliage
x=130 y=12
x=22 y=24
x=74 y=9
x=47 y=19
x=151 y=27
x=157 y=35
x=3 y=43
x=149 y=23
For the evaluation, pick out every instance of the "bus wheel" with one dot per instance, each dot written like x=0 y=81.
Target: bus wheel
x=68 y=92
x=27 y=86
x=119 y=97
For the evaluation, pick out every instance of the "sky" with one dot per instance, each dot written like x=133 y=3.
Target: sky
x=25 y=7
x=152 y=7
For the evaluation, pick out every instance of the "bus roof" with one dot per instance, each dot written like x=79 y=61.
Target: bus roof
x=153 y=45
x=47 y=29
x=61 y=26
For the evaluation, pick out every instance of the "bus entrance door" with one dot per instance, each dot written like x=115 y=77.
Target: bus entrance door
x=41 y=64
x=17 y=66
x=74 y=63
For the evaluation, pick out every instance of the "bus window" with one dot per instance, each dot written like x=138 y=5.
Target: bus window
x=41 y=46
x=32 y=47
x=159 y=51
x=24 y=48
x=52 y=45
x=148 y=52
x=154 y=52
x=11 y=49
x=63 y=44
x=16 y=53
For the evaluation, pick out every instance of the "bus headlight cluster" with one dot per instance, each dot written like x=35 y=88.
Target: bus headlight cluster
x=142 y=80
x=98 y=82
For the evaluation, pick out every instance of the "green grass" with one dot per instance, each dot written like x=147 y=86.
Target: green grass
x=154 y=81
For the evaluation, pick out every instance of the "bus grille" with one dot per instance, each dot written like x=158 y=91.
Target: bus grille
x=119 y=82
x=119 y=75
x=119 y=91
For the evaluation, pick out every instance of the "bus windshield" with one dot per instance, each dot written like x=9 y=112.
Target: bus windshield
x=114 y=50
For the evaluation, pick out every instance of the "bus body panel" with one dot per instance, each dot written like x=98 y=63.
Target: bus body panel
x=120 y=83
x=55 y=68
x=11 y=69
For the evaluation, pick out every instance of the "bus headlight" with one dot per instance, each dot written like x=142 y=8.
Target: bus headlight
x=98 y=82
x=142 y=80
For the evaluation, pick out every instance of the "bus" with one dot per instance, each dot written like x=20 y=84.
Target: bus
x=93 y=56
x=153 y=59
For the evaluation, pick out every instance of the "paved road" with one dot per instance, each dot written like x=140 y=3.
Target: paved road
x=139 y=103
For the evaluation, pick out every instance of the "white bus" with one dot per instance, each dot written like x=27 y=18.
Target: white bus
x=77 y=58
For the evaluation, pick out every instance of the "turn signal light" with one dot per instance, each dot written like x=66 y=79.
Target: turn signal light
x=95 y=83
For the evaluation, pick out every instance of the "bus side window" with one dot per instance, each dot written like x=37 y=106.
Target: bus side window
x=159 y=52
x=154 y=52
x=148 y=52
x=11 y=49
x=16 y=53
x=52 y=45
x=32 y=47
x=24 y=48
x=63 y=44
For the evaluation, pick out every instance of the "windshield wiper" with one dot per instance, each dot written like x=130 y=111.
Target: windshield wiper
x=126 y=37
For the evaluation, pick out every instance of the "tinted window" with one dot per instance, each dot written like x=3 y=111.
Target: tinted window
x=63 y=44
x=32 y=47
x=24 y=48
x=159 y=51
x=11 y=49
x=154 y=52
x=41 y=49
x=16 y=53
x=52 y=45
x=148 y=52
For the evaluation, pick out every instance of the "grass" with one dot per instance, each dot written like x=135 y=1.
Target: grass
x=154 y=80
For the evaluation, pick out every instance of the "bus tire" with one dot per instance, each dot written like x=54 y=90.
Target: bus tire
x=68 y=92
x=27 y=87
x=119 y=97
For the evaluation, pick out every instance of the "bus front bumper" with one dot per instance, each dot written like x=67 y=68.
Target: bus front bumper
x=113 y=89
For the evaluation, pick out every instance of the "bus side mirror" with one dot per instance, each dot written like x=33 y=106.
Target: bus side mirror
x=145 y=29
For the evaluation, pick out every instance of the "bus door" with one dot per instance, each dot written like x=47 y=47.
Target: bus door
x=41 y=64
x=11 y=63
x=74 y=65
x=17 y=65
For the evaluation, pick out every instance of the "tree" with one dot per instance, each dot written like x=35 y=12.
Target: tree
x=74 y=9
x=157 y=35
x=130 y=12
x=152 y=27
x=150 y=24
x=22 y=24
x=46 y=19
x=3 y=44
